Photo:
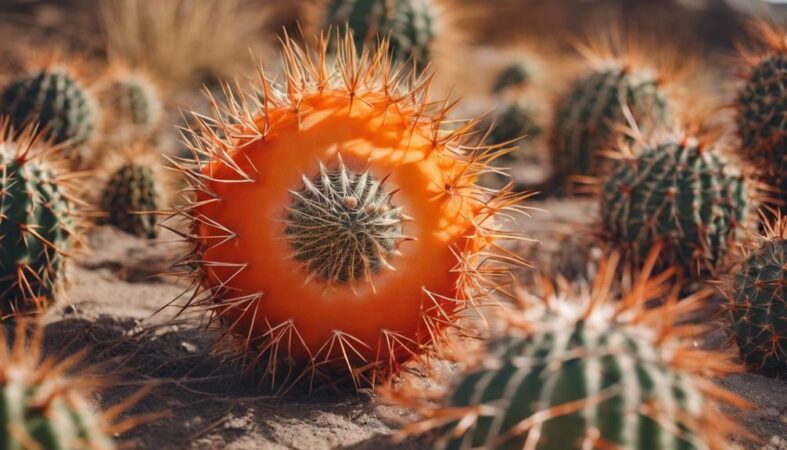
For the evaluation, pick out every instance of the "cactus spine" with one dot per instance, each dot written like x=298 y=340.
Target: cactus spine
x=38 y=220
x=761 y=104
x=590 y=116
x=131 y=199
x=679 y=193
x=42 y=408
x=55 y=99
x=758 y=309
x=409 y=24
x=577 y=371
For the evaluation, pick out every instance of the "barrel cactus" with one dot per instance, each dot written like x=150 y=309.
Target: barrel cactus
x=577 y=371
x=760 y=108
x=337 y=241
x=131 y=104
x=38 y=222
x=411 y=25
x=131 y=199
x=42 y=407
x=56 y=99
x=517 y=121
x=679 y=192
x=590 y=117
x=758 y=309
x=515 y=75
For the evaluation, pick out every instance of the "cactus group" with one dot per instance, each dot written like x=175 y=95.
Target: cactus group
x=131 y=199
x=38 y=220
x=760 y=110
x=678 y=192
x=299 y=232
x=758 y=309
x=410 y=25
x=578 y=371
x=56 y=100
x=41 y=407
x=589 y=119
x=130 y=103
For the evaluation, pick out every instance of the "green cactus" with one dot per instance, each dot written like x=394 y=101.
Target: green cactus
x=758 y=309
x=516 y=74
x=607 y=373
x=589 y=118
x=680 y=194
x=409 y=24
x=37 y=221
x=762 y=123
x=130 y=199
x=515 y=122
x=585 y=370
x=41 y=408
x=57 y=101
x=131 y=100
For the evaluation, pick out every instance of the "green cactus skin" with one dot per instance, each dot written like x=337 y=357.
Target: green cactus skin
x=132 y=101
x=758 y=308
x=38 y=405
x=60 y=104
x=607 y=371
x=514 y=75
x=587 y=119
x=677 y=193
x=517 y=121
x=131 y=200
x=36 y=222
x=762 y=124
x=409 y=24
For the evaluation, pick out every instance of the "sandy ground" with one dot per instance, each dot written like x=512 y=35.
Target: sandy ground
x=113 y=307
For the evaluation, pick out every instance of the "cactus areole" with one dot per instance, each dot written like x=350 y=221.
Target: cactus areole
x=341 y=225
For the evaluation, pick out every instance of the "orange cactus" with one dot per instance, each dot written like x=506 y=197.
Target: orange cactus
x=337 y=223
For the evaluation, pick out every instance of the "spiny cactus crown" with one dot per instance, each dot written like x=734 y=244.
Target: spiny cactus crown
x=342 y=225
x=36 y=223
x=761 y=120
x=409 y=24
x=51 y=97
x=679 y=193
x=758 y=307
x=131 y=200
x=580 y=382
x=589 y=118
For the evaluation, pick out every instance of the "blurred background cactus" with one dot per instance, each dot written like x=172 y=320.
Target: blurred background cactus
x=56 y=99
x=131 y=199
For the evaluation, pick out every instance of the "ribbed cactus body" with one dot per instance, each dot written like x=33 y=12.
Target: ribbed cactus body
x=409 y=24
x=589 y=118
x=35 y=226
x=680 y=194
x=131 y=101
x=130 y=199
x=598 y=381
x=517 y=121
x=762 y=123
x=759 y=309
x=58 y=102
x=42 y=409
